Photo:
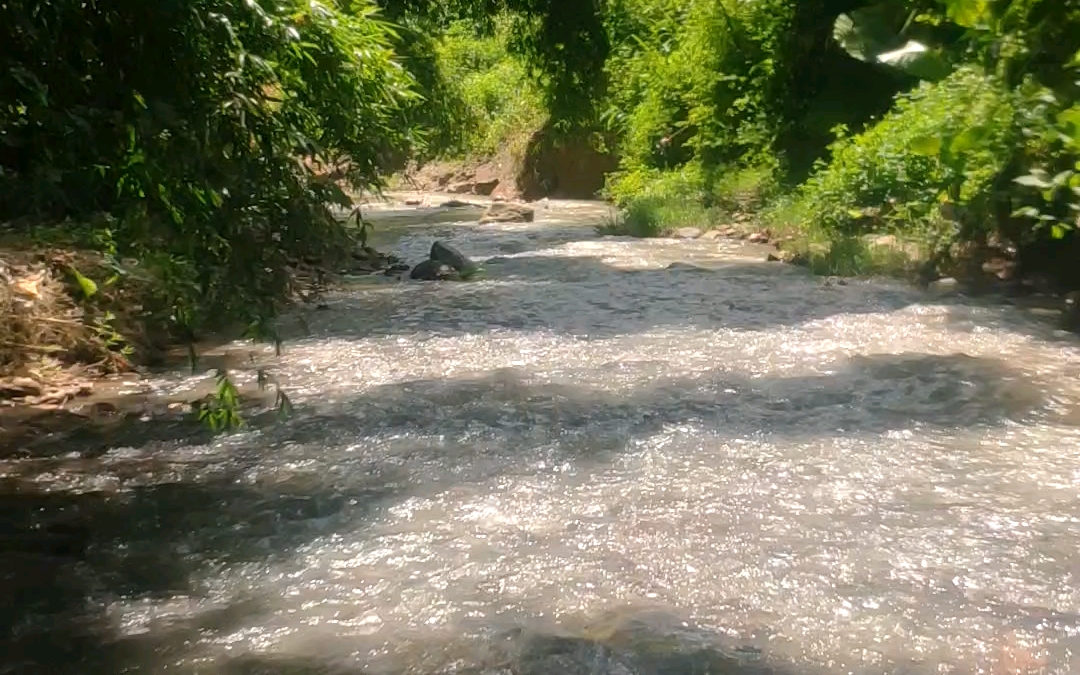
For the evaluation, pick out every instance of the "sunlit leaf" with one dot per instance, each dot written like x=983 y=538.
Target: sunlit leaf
x=1031 y=180
x=88 y=287
x=1026 y=212
x=1062 y=179
x=968 y=13
x=969 y=139
x=929 y=146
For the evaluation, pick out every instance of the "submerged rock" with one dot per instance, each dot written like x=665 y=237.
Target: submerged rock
x=500 y=212
x=945 y=286
x=634 y=647
x=687 y=233
x=686 y=267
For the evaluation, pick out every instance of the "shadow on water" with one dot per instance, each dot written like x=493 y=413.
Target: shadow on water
x=872 y=394
x=586 y=297
x=67 y=552
x=628 y=650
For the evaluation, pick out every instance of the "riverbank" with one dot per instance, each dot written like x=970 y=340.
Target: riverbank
x=61 y=381
x=81 y=329
x=991 y=268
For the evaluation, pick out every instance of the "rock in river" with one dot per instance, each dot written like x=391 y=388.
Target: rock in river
x=450 y=256
x=429 y=270
x=687 y=233
x=946 y=286
x=500 y=212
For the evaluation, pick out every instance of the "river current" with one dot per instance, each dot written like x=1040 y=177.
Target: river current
x=605 y=456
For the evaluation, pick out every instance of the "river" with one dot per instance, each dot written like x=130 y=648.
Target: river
x=604 y=455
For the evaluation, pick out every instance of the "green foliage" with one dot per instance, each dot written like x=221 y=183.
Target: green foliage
x=1054 y=198
x=848 y=256
x=945 y=142
x=194 y=126
x=690 y=97
x=654 y=202
x=691 y=81
x=221 y=411
x=442 y=113
x=562 y=43
x=653 y=216
x=891 y=33
x=502 y=104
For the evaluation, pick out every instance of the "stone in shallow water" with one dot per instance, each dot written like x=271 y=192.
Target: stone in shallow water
x=945 y=286
x=507 y=213
x=450 y=256
x=687 y=233
x=429 y=270
x=686 y=267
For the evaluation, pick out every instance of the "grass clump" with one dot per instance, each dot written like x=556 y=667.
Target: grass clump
x=653 y=203
x=657 y=216
x=851 y=256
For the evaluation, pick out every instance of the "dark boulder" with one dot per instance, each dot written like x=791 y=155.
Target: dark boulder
x=450 y=256
x=429 y=270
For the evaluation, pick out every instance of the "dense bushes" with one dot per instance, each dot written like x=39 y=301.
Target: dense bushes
x=502 y=104
x=713 y=99
x=943 y=143
x=689 y=83
x=182 y=134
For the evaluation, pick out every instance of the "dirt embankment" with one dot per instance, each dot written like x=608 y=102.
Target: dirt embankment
x=560 y=168
x=72 y=322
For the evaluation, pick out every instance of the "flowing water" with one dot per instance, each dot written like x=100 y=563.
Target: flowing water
x=588 y=460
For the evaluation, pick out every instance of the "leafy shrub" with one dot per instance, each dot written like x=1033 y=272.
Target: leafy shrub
x=194 y=127
x=503 y=105
x=652 y=216
x=654 y=202
x=686 y=183
x=945 y=142
x=1050 y=189
x=688 y=81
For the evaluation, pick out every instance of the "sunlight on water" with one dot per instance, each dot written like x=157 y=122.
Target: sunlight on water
x=833 y=478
